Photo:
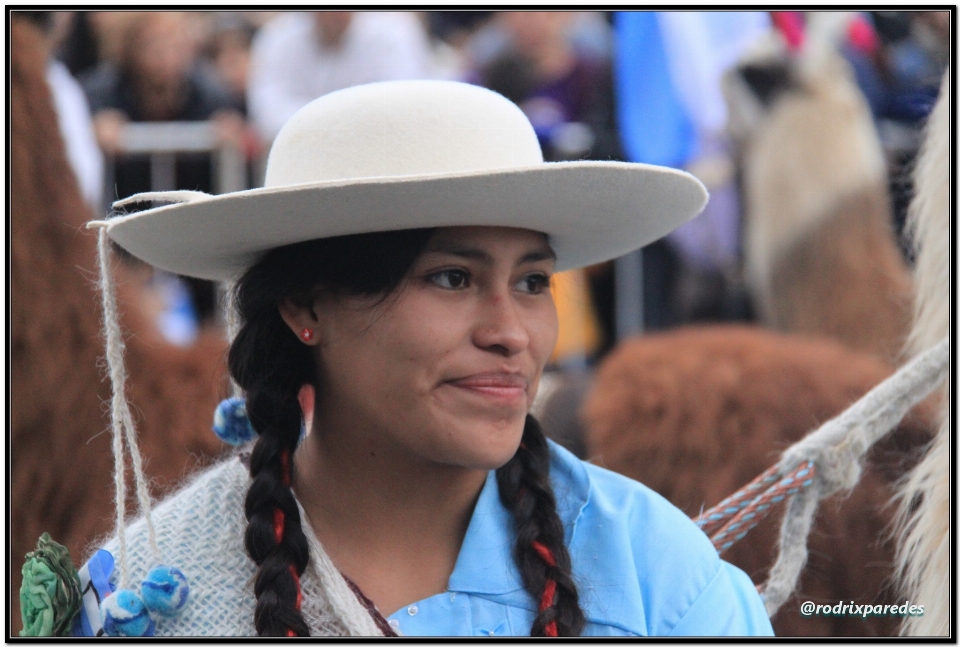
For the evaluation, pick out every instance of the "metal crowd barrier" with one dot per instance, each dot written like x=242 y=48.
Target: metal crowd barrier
x=163 y=141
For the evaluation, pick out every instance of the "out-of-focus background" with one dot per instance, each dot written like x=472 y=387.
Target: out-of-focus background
x=803 y=126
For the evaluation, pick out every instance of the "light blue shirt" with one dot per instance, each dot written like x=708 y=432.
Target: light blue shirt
x=641 y=566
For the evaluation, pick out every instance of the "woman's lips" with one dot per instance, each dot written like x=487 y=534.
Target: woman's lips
x=499 y=386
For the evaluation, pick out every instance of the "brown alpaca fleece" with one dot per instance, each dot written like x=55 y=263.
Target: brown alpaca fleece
x=60 y=456
x=846 y=279
x=699 y=412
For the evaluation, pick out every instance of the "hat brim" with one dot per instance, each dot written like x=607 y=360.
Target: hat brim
x=591 y=211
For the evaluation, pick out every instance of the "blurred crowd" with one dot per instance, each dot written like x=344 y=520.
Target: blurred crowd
x=636 y=86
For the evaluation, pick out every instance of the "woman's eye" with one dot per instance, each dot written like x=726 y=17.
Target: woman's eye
x=451 y=279
x=534 y=283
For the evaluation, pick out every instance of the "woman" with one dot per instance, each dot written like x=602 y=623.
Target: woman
x=397 y=267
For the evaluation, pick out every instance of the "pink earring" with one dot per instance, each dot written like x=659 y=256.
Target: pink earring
x=307 y=334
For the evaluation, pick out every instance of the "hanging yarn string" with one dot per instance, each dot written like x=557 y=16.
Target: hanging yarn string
x=824 y=462
x=121 y=420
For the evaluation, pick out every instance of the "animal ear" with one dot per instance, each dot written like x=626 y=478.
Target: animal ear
x=767 y=80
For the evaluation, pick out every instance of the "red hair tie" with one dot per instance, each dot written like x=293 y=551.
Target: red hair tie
x=545 y=553
x=549 y=587
x=278 y=524
x=278 y=529
x=296 y=580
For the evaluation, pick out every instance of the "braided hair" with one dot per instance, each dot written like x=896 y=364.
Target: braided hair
x=540 y=552
x=270 y=363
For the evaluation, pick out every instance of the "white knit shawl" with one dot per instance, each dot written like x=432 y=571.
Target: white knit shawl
x=200 y=531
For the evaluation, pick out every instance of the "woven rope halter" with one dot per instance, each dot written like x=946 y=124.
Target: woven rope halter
x=823 y=463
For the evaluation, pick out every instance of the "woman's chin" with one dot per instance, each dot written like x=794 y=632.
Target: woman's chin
x=491 y=444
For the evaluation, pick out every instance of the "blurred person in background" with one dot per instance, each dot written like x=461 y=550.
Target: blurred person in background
x=297 y=57
x=73 y=113
x=78 y=50
x=158 y=77
x=898 y=58
x=456 y=30
x=564 y=90
x=226 y=45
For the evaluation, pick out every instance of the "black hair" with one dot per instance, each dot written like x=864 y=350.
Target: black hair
x=271 y=364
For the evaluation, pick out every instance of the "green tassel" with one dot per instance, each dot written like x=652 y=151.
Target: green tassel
x=50 y=594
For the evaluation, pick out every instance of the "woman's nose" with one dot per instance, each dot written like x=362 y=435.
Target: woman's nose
x=500 y=327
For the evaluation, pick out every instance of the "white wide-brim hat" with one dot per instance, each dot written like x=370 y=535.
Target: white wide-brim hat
x=402 y=155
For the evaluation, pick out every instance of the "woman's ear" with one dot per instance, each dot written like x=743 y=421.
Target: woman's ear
x=302 y=320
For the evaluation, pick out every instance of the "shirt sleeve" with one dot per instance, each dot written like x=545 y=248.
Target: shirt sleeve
x=728 y=606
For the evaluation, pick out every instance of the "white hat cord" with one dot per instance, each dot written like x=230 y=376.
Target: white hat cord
x=164 y=591
x=121 y=420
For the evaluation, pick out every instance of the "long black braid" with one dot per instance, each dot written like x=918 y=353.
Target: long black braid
x=271 y=365
x=540 y=551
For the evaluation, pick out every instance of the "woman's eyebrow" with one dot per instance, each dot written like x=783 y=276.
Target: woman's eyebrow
x=540 y=255
x=453 y=249
x=475 y=253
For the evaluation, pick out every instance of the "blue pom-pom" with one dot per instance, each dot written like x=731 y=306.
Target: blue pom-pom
x=123 y=614
x=165 y=590
x=231 y=424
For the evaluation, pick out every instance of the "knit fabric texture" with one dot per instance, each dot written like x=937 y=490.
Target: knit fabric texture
x=200 y=530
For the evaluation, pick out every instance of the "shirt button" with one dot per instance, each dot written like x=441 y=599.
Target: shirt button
x=394 y=623
x=412 y=610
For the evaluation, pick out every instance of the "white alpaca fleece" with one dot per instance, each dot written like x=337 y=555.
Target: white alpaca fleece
x=923 y=560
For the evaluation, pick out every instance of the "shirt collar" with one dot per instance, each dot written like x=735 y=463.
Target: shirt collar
x=485 y=564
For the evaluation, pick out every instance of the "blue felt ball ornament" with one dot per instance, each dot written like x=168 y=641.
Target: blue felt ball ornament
x=124 y=614
x=165 y=590
x=231 y=424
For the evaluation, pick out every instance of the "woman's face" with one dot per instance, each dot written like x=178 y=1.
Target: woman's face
x=445 y=370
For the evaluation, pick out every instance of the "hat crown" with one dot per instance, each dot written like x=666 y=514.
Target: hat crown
x=401 y=128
